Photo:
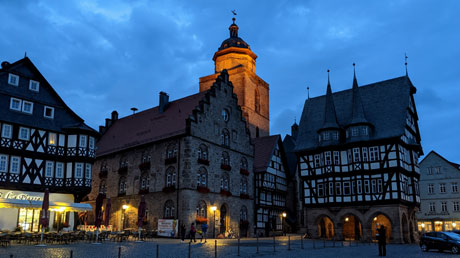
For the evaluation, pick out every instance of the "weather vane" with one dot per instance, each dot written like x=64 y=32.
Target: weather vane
x=405 y=62
x=234 y=14
x=308 y=92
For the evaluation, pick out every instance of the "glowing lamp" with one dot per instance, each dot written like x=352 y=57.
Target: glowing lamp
x=284 y=214
x=375 y=219
x=61 y=209
x=423 y=225
x=213 y=208
x=346 y=219
x=454 y=224
x=124 y=207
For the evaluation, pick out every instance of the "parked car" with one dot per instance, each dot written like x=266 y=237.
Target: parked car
x=440 y=241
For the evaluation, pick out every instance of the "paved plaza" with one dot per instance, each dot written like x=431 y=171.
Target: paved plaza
x=227 y=248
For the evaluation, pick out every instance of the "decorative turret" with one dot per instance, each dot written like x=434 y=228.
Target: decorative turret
x=330 y=129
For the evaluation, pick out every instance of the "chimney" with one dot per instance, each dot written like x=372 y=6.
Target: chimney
x=294 y=130
x=114 y=115
x=108 y=122
x=164 y=101
x=101 y=129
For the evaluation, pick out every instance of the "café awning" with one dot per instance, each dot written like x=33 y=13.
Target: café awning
x=54 y=206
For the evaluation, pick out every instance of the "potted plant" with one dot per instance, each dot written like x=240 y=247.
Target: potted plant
x=202 y=189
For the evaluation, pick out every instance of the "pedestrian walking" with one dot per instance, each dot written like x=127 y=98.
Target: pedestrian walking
x=192 y=233
x=183 y=230
x=382 y=239
x=204 y=229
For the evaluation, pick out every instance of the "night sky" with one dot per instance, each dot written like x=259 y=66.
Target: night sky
x=113 y=55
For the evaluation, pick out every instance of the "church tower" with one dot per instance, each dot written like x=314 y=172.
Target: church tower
x=235 y=55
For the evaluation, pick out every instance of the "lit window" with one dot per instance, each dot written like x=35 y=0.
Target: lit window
x=51 y=139
x=59 y=170
x=27 y=107
x=48 y=112
x=24 y=133
x=13 y=79
x=225 y=115
x=14 y=169
x=83 y=139
x=88 y=171
x=78 y=170
x=6 y=131
x=3 y=163
x=15 y=104
x=49 y=169
x=34 y=85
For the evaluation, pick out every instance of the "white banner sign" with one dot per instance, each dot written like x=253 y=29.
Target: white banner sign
x=21 y=195
x=168 y=227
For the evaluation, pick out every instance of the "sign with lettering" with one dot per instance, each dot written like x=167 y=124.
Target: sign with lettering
x=168 y=227
x=17 y=195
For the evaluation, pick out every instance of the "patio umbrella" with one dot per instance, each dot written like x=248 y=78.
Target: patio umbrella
x=108 y=205
x=98 y=213
x=141 y=215
x=44 y=220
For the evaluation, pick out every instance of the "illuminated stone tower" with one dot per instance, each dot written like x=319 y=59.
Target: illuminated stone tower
x=236 y=56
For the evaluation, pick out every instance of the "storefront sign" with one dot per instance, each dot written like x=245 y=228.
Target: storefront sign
x=168 y=227
x=19 y=196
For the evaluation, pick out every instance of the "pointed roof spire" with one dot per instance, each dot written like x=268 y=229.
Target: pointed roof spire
x=330 y=117
x=358 y=115
x=405 y=63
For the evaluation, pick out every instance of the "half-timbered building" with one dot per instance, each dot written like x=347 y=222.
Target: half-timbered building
x=357 y=157
x=43 y=144
x=271 y=175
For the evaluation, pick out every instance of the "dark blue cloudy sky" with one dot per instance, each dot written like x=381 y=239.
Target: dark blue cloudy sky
x=114 y=54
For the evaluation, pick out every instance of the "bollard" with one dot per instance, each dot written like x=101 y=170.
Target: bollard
x=119 y=252
x=238 y=246
x=274 y=243
x=301 y=241
x=257 y=244
x=215 y=249
x=189 y=249
x=289 y=243
x=71 y=253
x=158 y=251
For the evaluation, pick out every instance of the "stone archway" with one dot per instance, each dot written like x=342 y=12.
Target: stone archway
x=405 y=228
x=352 y=227
x=326 y=227
x=223 y=218
x=378 y=221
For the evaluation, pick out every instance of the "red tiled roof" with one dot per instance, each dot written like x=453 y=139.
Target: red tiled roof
x=148 y=126
x=264 y=147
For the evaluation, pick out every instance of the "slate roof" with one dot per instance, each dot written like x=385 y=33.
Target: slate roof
x=149 y=125
x=263 y=151
x=234 y=40
x=358 y=114
x=64 y=117
x=385 y=103
x=330 y=116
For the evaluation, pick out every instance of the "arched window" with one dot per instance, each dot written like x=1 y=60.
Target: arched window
x=244 y=163
x=202 y=177
x=103 y=187
x=145 y=181
x=225 y=160
x=171 y=151
x=201 y=209
x=225 y=182
x=257 y=101
x=145 y=158
x=122 y=185
x=169 y=210
x=244 y=186
x=225 y=114
x=225 y=137
x=243 y=213
x=170 y=177
x=203 y=152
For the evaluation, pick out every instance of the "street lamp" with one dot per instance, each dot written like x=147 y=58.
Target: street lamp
x=282 y=221
x=214 y=208
x=124 y=207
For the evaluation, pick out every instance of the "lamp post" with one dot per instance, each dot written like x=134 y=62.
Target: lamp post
x=214 y=208
x=282 y=221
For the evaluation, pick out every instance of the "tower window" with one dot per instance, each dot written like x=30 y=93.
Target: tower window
x=225 y=115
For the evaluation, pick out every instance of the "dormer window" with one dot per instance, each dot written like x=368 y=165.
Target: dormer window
x=13 y=79
x=34 y=85
x=335 y=136
x=326 y=136
x=364 y=131
x=354 y=131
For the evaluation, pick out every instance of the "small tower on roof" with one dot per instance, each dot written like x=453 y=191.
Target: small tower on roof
x=330 y=131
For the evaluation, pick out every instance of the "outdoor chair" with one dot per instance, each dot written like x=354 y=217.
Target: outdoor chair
x=5 y=240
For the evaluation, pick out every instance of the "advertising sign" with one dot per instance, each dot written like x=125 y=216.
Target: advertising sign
x=168 y=227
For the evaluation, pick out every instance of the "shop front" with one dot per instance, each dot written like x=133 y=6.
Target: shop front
x=20 y=210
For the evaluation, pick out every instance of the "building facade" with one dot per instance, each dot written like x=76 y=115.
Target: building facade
x=439 y=194
x=185 y=157
x=44 y=144
x=236 y=57
x=357 y=157
x=272 y=178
